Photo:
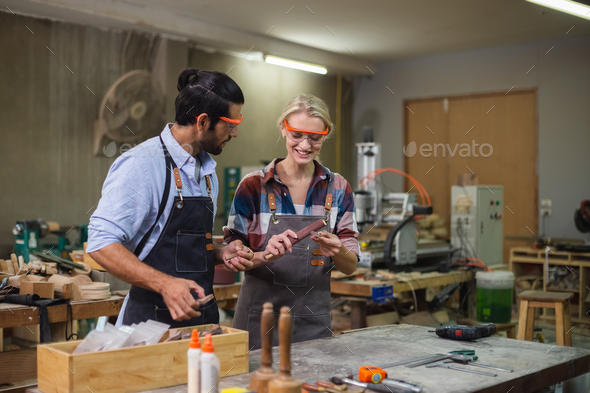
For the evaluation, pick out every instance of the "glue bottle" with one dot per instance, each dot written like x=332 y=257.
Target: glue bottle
x=209 y=368
x=194 y=363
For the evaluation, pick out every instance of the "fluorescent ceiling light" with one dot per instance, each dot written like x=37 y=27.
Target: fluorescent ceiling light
x=298 y=65
x=569 y=7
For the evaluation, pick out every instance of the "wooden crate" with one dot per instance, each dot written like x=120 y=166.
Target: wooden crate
x=132 y=369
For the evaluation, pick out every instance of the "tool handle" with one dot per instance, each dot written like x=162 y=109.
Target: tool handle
x=303 y=233
x=330 y=385
x=311 y=388
x=285 y=336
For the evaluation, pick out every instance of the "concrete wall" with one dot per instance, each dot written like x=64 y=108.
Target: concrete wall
x=562 y=78
x=47 y=112
x=267 y=89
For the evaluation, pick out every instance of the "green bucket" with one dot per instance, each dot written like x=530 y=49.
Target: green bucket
x=494 y=296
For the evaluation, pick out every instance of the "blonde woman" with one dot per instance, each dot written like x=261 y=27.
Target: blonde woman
x=270 y=205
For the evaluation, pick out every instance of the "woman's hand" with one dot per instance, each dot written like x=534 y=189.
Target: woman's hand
x=329 y=243
x=278 y=245
x=237 y=257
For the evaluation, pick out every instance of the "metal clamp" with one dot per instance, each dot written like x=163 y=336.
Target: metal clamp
x=274 y=219
x=180 y=204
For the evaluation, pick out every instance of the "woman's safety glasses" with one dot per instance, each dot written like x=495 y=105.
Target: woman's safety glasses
x=314 y=137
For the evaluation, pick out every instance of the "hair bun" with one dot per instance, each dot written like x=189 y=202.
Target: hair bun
x=184 y=79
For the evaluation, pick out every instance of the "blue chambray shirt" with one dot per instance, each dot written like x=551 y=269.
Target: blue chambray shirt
x=134 y=187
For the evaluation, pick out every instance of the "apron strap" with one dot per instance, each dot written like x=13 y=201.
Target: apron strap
x=327 y=204
x=170 y=165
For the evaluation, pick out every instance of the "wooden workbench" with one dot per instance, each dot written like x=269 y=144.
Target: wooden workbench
x=535 y=365
x=358 y=291
x=12 y=315
x=365 y=288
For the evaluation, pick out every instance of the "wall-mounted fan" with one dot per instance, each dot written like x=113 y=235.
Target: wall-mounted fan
x=131 y=110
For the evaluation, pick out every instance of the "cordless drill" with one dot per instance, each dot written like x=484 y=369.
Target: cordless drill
x=466 y=333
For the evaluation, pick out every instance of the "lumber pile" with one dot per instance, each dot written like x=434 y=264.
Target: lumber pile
x=432 y=227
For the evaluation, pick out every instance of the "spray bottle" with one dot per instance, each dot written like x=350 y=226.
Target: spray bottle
x=209 y=368
x=194 y=363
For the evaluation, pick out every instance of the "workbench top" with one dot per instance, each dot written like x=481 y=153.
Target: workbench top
x=535 y=365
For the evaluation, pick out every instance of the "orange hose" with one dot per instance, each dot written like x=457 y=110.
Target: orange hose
x=416 y=183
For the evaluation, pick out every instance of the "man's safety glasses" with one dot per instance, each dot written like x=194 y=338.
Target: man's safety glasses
x=234 y=122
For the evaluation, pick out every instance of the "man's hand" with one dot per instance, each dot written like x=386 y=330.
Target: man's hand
x=329 y=243
x=278 y=245
x=179 y=299
x=237 y=257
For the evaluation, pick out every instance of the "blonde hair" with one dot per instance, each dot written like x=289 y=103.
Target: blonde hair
x=312 y=105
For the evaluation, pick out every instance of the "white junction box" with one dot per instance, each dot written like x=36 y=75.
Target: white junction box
x=477 y=221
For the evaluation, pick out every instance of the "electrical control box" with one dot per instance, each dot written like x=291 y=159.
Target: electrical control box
x=477 y=221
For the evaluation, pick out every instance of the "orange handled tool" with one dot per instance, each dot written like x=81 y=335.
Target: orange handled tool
x=371 y=374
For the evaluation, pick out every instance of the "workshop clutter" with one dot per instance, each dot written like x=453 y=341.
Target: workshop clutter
x=144 y=333
x=432 y=227
x=50 y=276
x=563 y=277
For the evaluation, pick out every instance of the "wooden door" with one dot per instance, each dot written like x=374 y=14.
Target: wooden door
x=501 y=132
x=428 y=123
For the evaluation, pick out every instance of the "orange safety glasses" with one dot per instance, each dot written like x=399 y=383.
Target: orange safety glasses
x=289 y=128
x=231 y=121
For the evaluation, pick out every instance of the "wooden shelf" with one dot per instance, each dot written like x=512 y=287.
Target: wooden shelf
x=562 y=290
x=528 y=261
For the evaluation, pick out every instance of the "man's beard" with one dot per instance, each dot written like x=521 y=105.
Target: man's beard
x=212 y=146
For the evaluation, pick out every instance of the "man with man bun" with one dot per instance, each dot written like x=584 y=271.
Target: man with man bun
x=153 y=225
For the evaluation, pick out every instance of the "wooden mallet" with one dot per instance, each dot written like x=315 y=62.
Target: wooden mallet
x=285 y=383
x=260 y=378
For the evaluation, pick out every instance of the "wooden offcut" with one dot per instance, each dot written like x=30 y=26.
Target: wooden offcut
x=43 y=289
x=132 y=369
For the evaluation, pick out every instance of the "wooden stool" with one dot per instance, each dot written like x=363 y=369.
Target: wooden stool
x=560 y=301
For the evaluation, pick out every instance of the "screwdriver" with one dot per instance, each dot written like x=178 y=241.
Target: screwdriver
x=466 y=333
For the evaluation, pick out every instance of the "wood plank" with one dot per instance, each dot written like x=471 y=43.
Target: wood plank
x=18 y=365
x=546 y=296
x=18 y=315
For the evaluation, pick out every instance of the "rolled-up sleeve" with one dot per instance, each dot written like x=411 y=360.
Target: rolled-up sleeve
x=125 y=203
x=240 y=216
x=346 y=228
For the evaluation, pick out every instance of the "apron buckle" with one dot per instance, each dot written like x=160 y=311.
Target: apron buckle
x=274 y=219
x=180 y=204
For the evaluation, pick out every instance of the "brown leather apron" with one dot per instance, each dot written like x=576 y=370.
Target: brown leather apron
x=299 y=280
